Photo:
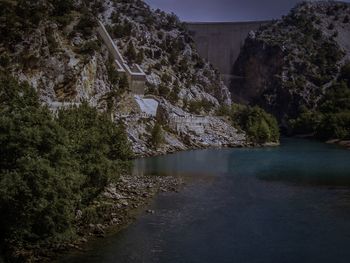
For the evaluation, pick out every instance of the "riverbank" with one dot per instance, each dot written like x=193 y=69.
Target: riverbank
x=112 y=211
x=168 y=150
x=343 y=143
x=339 y=142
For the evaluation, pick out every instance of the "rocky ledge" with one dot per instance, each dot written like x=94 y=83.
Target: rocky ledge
x=181 y=131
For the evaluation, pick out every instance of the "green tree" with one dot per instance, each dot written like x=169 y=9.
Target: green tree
x=140 y=57
x=86 y=24
x=157 y=135
x=62 y=7
x=131 y=52
x=93 y=143
x=260 y=126
x=123 y=83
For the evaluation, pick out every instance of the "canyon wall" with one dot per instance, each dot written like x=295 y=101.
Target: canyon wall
x=220 y=42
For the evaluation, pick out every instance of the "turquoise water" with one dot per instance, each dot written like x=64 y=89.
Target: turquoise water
x=284 y=204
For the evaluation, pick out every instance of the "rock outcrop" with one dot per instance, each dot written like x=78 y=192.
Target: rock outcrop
x=290 y=63
x=181 y=131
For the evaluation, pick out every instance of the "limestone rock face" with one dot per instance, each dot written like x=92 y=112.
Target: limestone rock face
x=68 y=63
x=198 y=130
x=291 y=62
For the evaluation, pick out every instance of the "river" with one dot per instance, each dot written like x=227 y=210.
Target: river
x=284 y=204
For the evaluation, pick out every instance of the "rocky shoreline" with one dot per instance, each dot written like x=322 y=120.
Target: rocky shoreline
x=112 y=211
x=342 y=143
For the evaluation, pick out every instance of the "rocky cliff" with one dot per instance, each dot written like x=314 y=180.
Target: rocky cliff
x=289 y=64
x=54 y=45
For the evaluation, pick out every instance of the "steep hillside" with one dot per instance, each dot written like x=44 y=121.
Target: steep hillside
x=54 y=45
x=289 y=65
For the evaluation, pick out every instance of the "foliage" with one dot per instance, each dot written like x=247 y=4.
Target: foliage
x=260 y=126
x=131 y=52
x=121 y=30
x=140 y=57
x=201 y=105
x=97 y=144
x=345 y=73
x=163 y=90
x=90 y=47
x=51 y=166
x=174 y=94
x=157 y=135
x=123 y=82
x=331 y=119
x=223 y=110
x=86 y=24
x=38 y=181
x=62 y=7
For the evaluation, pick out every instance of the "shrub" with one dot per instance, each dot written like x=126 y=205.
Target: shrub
x=166 y=78
x=157 y=135
x=198 y=106
x=122 y=30
x=64 y=20
x=345 y=73
x=96 y=143
x=123 y=83
x=86 y=24
x=112 y=72
x=131 y=52
x=62 y=7
x=307 y=122
x=140 y=57
x=90 y=47
x=157 y=66
x=4 y=59
x=174 y=94
x=223 y=110
x=163 y=90
x=335 y=126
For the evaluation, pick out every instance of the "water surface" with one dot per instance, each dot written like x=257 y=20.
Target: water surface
x=284 y=204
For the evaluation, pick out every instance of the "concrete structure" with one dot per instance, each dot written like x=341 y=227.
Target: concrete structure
x=220 y=43
x=135 y=75
x=147 y=105
x=183 y=124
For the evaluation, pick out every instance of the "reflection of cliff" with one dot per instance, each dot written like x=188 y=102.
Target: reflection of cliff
x=220 y=43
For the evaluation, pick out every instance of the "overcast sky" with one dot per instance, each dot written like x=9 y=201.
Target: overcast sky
x=225 y=10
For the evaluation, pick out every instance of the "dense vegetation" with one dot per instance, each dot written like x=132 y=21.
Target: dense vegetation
x=331 y=119
x=259 y=126
x=51 y=166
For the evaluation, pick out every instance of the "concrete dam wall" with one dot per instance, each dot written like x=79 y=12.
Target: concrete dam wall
x=220 y=43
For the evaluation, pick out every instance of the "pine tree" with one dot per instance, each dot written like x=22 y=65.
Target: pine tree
x=131 y=52
x=140 y=57
x=157 y=135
